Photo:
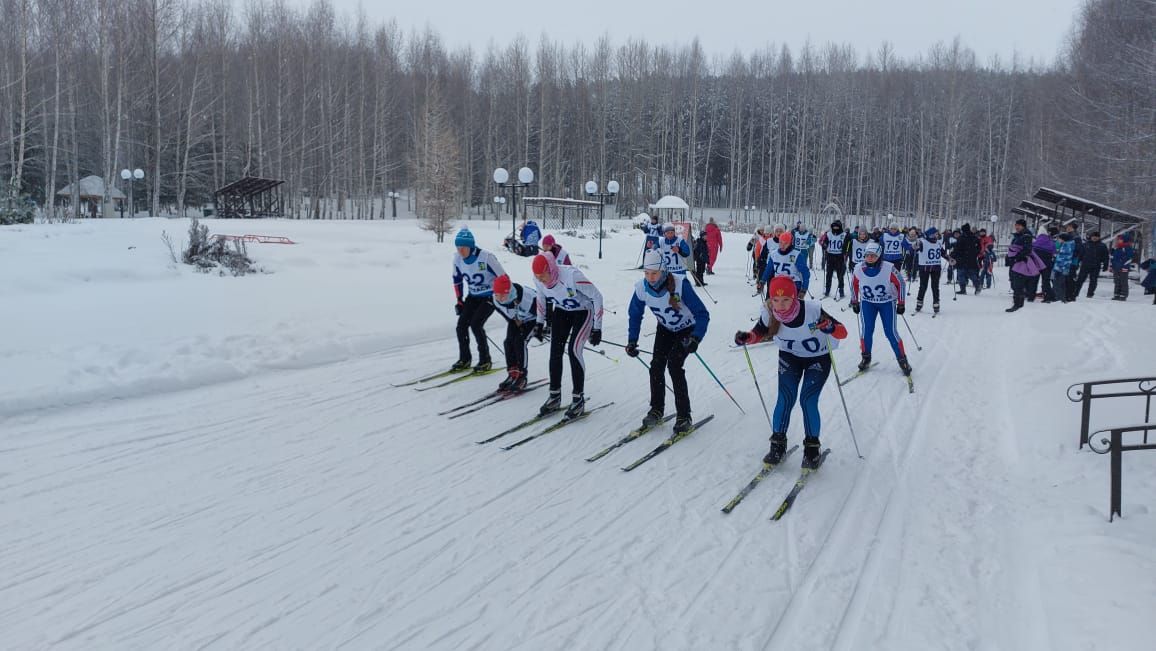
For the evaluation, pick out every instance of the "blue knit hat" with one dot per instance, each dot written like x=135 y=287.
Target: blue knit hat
x=464 y=238
x=931 y=232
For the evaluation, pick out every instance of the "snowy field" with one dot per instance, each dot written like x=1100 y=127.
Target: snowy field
x=190 y=461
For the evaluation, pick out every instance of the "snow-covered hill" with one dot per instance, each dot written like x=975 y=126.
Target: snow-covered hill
x=191 y=461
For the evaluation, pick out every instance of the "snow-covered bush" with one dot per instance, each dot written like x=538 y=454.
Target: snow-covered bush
x=208 y=253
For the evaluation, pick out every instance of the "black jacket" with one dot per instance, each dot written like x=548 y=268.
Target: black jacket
x=966 y=251
x=1095 y=256
x=701 y=252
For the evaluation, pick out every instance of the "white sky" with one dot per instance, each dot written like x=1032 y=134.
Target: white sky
x=1033 y=28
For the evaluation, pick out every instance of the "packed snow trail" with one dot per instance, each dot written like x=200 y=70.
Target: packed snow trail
x=323 y=508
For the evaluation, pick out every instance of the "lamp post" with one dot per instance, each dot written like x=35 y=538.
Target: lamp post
x=130 y=176
x=747 y=213
x=994 y=219
x=394 y=196
x=502 y=179
x=498 y=203
x=592 y=191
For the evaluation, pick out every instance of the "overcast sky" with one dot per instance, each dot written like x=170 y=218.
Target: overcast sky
x=1033 y=28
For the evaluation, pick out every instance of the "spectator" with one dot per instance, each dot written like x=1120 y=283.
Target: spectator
x=966 y=257
x=1149 y=283
x=1045 y=248
x=1093 y=260
x=714 y=242
x=1121 y=264
x=1062 y=266
x=701 y=254
x=1077 y=256
x=1024 y=264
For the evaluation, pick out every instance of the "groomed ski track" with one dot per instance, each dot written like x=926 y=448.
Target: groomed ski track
x=323 y=508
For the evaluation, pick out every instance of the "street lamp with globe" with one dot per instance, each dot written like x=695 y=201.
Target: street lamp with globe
x=592 y=190
x=502 y=179
x=130 y=176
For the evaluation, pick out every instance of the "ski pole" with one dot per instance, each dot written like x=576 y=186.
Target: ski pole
x=757 y=388
x=623 y=347
x=647 y=366
x=839 y=386
x=708 y=294
x=704 y=364
x=495 y=344
x=602 y=353
x=913 y=339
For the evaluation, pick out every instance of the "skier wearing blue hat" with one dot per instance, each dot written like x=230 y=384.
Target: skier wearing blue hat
x=475 y=269
x=930 y=252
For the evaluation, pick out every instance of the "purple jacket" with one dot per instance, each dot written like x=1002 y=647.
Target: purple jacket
x=1030 y=265
x=1045 y=248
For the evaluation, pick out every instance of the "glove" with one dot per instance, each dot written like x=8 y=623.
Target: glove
x=690 y=344
x=899 y=308
x=742 y=337
x=632 y=349
x=759 y=287
x=826 y=326
x=799 y=291
x=855 y=308
x=595 y=337
x=458 y=308
x=540 y=332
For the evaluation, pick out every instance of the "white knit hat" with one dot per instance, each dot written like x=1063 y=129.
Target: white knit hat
x=652 y=261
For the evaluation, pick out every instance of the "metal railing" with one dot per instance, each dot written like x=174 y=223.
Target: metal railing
x=1114 y=445
x=1083 y=394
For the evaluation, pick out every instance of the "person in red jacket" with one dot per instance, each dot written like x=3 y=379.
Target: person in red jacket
x=714 y=243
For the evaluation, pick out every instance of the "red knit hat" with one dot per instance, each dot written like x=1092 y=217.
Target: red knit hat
x=785 y=239
x=502 y=284
x=539 y=265
x=783 y=286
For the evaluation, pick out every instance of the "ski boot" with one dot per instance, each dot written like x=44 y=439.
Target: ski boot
x=811 y=453
x=842 y=295
x=652 y=418
x=778 y=448
x=505 y=384
x=682 y=424
x=935 y=308
x=552 y=404
x=918 y=305
x=577 y=406
x=461 y=365
x=519 y=383
x=904 y=365
x=483 y=366
x=826 y=294
x=865 y=362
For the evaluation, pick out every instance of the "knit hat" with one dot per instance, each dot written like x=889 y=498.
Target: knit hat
x=783 y=286
x=873 y=249
x=548 y=242
x=1022 y=222
x=652 y=261
x=544 y=264
x=502 y=284
x=966 y=228
x=464 y=238
x=785 y=240
x=931 y=232
x=667 y=227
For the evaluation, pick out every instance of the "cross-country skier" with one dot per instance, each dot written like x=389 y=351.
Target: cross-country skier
x=516 y=304
x=475 y=269
x=858 y=248
x=881 y=288
x=804 y=241
x=930 y=253
x=803 y=332
x=674 y=250
x=785 y=260
x=835 y=247
x=560 y=254
x=682 y=322
x=652 y=230
x=577 y=316
x=892 y=241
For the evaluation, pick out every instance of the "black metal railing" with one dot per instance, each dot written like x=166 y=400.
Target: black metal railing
x=1114 y=445
x=1083 y=394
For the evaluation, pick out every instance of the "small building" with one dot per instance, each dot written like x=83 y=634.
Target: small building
x=249 y=198
x=90 y=192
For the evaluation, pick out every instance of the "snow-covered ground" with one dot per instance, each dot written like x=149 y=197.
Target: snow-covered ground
x=192 y=461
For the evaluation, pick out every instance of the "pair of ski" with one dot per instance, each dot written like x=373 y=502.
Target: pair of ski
x=461 y=375
x=537 y=419
x=662 y=447
x=789 y=500
x=491 y=398
x=843 y=382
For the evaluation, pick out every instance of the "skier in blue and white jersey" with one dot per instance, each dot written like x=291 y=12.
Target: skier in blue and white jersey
x=577 y=316
x=531 y=235
x=930 y=255
x=804 y=334
x=474 y=269
x=653 y=231
x=682 y=322
x=892 y=242
x=516 y=304
x=858 y=249
x=804 y=241
x=785 y=260
x=882 y=290
x=674 y=250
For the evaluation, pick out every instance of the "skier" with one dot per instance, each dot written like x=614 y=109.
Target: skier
x=530 y=234
x=714 y=240
x=785 y=260
x=577 y=315
x=674 y=249
x=803 y=332
x=858 y=248
x=652 y=230
x=516 y=304
x=476 y=269
x=560 y=254
x=682 y=322
x=758 y=248
x=892 y=241
x=834 y=244
x=701 y=259
x=909 y=258
x=930 y=252
x=881 y=288
x=804 y=241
